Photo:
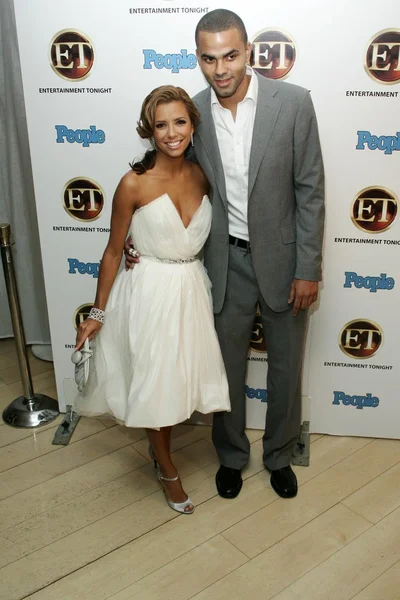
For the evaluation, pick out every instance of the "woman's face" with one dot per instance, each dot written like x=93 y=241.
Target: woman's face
x=172 y=128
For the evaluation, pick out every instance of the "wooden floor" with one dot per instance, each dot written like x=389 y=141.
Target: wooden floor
x=89 y=521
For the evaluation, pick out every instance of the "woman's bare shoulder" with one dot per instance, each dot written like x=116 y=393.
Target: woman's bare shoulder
x=130 y=181
x=129 y=187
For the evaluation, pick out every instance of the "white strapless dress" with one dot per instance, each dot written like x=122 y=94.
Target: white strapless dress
x=157 y=357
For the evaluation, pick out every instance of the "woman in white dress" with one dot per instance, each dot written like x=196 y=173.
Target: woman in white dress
x=157 y=357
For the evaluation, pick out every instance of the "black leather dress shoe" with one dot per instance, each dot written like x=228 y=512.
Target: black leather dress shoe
x=229 y=482
x=284 y=482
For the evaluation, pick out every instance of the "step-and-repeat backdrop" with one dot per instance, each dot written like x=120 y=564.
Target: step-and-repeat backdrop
x=86 y=70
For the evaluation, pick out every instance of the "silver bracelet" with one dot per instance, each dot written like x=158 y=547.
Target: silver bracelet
x=97 y=315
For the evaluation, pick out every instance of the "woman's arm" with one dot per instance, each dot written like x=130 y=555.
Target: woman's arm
x=124 y=203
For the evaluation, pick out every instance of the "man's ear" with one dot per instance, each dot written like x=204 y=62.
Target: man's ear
x=248 y=52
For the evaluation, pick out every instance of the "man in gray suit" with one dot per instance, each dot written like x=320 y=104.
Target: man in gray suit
x=259 y=148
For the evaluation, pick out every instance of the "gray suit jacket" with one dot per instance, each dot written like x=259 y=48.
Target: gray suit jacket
x=285 y=197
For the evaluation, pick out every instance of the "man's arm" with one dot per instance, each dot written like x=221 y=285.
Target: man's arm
x=309 y=191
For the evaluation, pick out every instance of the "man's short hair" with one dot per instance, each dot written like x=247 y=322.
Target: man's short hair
x=220 y=20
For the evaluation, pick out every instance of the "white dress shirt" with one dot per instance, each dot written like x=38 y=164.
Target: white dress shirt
x=234 y=140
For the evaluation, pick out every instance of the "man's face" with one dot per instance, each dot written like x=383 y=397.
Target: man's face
x=222 y=57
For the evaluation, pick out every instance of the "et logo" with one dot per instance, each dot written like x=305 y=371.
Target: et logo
x=374 y=209
x=81 y=314
x=257 y=341
x=360 y=338
x=71 y=54
x=382 y=57
x=83 y=199
x=273 y=53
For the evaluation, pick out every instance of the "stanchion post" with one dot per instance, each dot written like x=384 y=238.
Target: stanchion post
x=29 y=410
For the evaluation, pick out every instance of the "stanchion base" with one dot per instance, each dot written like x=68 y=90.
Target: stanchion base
x=301 y=451
x=41 y=410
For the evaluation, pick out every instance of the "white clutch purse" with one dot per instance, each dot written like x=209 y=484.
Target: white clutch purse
x=80 y=358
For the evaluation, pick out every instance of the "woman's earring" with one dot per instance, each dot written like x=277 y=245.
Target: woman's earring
x=153 y=143
x=191 y=139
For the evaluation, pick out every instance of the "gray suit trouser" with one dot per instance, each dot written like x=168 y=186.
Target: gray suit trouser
x=284 y=335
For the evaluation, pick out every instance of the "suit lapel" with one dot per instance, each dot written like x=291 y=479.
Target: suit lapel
x=206 y=132
x=268 y=107
x=267 y=111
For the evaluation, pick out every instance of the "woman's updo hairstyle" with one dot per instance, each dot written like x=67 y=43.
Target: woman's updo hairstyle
x=161 y=95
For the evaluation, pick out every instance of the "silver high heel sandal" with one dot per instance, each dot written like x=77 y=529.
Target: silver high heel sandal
x=177 y=506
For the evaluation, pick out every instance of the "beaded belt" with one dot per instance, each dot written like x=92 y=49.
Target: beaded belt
x=172 y=261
